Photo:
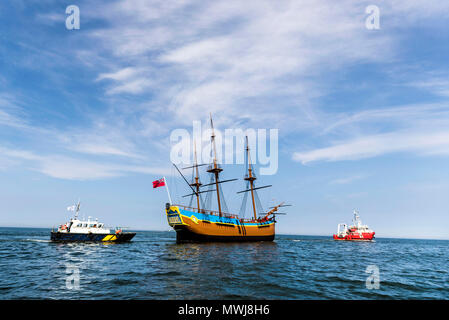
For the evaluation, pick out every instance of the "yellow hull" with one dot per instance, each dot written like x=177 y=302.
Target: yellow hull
x=194 y=226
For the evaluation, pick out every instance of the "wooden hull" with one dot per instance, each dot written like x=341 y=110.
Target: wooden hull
x=192 y=226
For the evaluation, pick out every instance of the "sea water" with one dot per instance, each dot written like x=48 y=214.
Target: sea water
x=153 y=266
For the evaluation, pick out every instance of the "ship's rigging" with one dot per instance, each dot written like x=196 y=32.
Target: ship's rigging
x=203 y=204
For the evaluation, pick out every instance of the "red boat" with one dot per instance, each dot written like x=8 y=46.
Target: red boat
x=356 y=232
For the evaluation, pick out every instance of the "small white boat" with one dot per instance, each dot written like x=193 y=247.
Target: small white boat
x=88 y=230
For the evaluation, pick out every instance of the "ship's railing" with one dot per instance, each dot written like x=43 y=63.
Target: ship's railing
x=214 y=213
x=211 y=212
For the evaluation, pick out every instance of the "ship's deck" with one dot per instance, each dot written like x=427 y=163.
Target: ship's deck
x=215 y=213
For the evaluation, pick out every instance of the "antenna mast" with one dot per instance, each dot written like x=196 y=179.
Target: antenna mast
x=356 y=219
x=77 y=208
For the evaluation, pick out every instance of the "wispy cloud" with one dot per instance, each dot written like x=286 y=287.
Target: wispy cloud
x=241 y=61
x=398 y=117
x=233 y=59
x=128 y=80
x=347 y=180
x=158 y=65
x=72 y=168
x=52 y=18
x=438 y=86
x=10 y=113
x=420 y=129
x=70 y=152
x=425 y=143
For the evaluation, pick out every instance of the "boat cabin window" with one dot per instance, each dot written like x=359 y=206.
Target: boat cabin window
x=85 y=225
x=79 y=225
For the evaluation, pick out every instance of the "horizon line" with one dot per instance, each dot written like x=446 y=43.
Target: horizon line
x=283 y=234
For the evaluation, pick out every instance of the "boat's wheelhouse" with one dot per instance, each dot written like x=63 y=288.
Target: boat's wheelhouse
x=84 y=226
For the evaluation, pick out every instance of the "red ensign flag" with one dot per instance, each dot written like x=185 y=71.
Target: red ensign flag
x=159 y=183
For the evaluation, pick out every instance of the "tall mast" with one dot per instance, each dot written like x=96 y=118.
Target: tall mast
x=197 y=182
x=250 y=177
x=214 y=168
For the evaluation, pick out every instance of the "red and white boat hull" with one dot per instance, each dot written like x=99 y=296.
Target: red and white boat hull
x=356 y=232
x=356 y=236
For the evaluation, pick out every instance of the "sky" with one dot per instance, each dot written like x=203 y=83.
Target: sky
x=362 y=114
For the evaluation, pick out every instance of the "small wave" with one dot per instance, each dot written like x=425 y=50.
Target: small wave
x=124 y=281
x=235 y=296
x=37 y=240
x=166 y=274
x=6 y=288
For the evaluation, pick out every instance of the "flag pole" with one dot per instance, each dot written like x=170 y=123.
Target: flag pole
x=168 y=192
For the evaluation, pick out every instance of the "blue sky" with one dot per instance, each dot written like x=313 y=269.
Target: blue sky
x=363 y=115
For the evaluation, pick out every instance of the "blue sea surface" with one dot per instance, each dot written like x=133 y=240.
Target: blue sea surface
x=153 y=266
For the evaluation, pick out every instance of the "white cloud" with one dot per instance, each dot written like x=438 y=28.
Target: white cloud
x=430 y=143
x=52 y=18
x=417 y=115
x=102 y=150
x=65 y=167
x=234 y=59
x=106 y=148
x=419 y=128
x=438 y=86
x=10 y=113
x=73 y=169
x=128 y=80
x=347 y=180
x=121 y=74
x=261 y=64
x=257 y=64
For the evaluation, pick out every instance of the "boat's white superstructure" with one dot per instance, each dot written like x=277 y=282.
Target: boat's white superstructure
x=88 y=230
x=361 y=228
x=342 y=230
x=88 y=226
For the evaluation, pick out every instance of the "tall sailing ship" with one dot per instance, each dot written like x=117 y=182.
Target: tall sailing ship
x=198 y=224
